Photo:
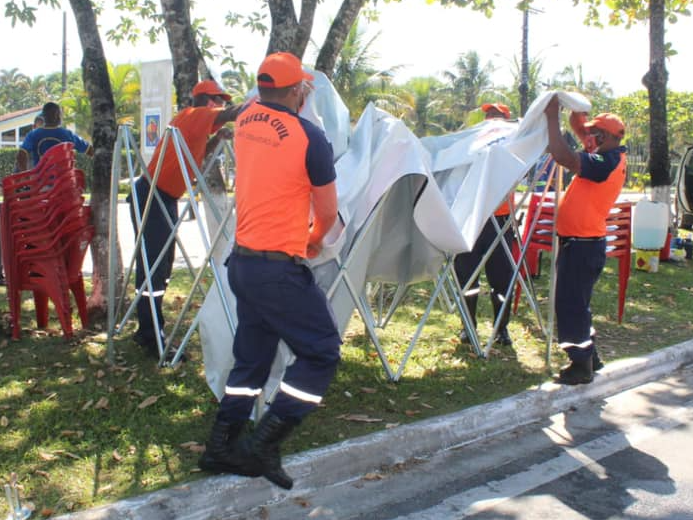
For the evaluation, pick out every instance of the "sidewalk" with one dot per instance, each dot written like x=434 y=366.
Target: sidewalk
x=216 y=497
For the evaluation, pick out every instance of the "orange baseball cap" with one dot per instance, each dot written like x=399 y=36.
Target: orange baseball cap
x=281 y=69
x=609 y=123
x=211 y=88
x=503 y=109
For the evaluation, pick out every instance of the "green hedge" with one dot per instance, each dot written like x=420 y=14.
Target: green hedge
x=8 y=155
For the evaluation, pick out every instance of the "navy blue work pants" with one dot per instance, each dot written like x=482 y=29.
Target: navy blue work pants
x=578 y=267
x=279 y=299
x=155 y=234
x=499 y=270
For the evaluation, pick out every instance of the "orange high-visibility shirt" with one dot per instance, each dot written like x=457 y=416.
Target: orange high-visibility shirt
x=195 y=125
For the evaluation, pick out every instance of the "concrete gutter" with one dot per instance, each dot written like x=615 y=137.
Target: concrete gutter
x=223 y=496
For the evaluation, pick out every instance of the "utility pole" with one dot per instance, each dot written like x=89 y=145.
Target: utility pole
x=64 y=56
x=524 y=71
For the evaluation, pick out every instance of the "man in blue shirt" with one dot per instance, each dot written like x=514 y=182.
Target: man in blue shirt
x=41 y=139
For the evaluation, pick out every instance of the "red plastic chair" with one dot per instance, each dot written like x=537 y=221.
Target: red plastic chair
x=618 y=245
x=66 y=244
x=618 y=242
x=46 y=231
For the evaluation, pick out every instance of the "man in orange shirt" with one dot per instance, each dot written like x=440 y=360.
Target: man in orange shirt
x=498 y=268
x=206 y=116
x=286 y=201
x=581 y=227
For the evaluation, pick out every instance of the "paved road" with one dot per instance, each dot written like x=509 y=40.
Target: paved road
x=189 y=234
x=626 y=456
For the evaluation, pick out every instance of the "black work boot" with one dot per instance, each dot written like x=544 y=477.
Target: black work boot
x=502 y=337
x=579 y=372
x=263 y=446
x=597 y=363
x=471 y=305
x=222 y=454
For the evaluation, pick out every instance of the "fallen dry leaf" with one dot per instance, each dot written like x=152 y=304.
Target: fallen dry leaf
x=427 y=406
x=88 y=404
x=391 y=425
x=132 y=377
x=80 y=378
x=67 y=454
x=100 y=373
x=116 y=456
x=303 y=502
x=4 y=421
x=413 y=397
x=321 y=512
x=148 y=401
x=193 y=446
x=355 y=417
x=43 y=474
x=46 y=456
x=373 y=476
x=101 y=404
x=46 y=512
x=411 y=413
x=72 y=433
x=367 y=390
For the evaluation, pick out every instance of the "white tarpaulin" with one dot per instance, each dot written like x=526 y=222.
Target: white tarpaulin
x=404 y=204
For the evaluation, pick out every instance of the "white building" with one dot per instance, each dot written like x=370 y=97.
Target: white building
x=15 y=125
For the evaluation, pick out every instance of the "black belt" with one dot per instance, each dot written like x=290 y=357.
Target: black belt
x=565 y=240
x=267 y=255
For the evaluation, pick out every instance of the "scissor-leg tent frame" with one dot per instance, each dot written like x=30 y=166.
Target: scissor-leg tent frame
x=448 y=291
x=126 y=147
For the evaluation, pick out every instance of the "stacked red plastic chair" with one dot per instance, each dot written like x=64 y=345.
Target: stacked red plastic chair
x=618 y=241
x=46 y=230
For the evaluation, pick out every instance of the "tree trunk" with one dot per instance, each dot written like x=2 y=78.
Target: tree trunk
x=336 y=36
x=185 y=53
x=656 y=82
x=98 y=87
x=287 y=33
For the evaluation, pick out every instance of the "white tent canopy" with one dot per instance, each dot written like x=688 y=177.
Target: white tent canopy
x=406 y=205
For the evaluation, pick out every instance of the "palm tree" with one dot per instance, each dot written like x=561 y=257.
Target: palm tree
x=356 y=78
x=76 y=110
x=467 y=83
x=424 y=113
x=125 y=83
x=573 y=78
x=14 y=90
x=237 y=83
x=535 y=84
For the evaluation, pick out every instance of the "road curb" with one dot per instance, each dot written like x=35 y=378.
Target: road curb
x=224 y=496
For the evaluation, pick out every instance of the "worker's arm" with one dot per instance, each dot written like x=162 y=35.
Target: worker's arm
x=223 y=133
x=21 y=159
x=558 y=146
x=227 y=115
x=324 y=201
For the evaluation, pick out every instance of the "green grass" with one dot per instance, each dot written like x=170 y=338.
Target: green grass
x=73 y=427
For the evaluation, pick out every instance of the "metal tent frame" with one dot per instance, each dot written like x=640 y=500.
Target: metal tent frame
x=126 y=148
